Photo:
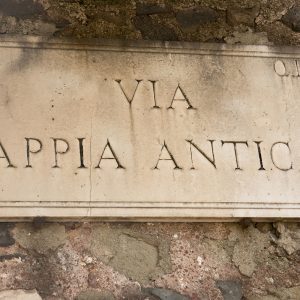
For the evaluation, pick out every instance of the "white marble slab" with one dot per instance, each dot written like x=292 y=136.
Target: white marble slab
x=147 y=130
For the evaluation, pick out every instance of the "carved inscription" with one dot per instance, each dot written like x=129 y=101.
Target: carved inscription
x=165 y=157
x=287 y=68
x=178 y=96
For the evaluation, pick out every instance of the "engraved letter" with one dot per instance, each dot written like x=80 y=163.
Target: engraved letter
x=287 y=68
x=297 y=68
x=280 y=68
x=81 y=155
x=170 y=157
x=154 y=93
x=261 y=168
x=235 y=150
x=10 y=165
x=211 y=160
x=113 y=156
x=272 y=156
x=180 y=95
x=56 y=151
x=29 y=150
x=129 y=99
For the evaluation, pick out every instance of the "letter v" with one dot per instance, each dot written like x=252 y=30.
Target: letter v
x=129 y=99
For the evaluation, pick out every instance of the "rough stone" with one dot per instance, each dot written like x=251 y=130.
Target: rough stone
x=21 y=9
x=190 y=19
x=19 y=295
x=250 y=246
x=17 y=257
x=288 y=240
x=117 y=18
x=5 y=236
x=279 y=294
x=231 y=290
x=292 y=18
x=138 y=262
x=292 y=293
x=264 y=227
x=246 y=16
x=44 y=28
x=144 y=260
x=248 y=38
x=134 y=292
x=144 y=8
x=95 y=295
x=152 y=30
x=48 y=237
x=198 y=261
x=7 y=24
x=165 y=294
x=266 y=297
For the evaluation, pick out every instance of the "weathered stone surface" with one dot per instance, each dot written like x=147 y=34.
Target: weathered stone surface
x=246 y=16
x=289 y=240
x=162 y=147
x=95 y=295
x=152 y=30
x=264 y=227
x=115 y=19
x=147 y=257
x=17 y=257
x=249 y=249
x=292 y=293
x=142 y=259
x=248 y=38
x=48 y=237
x=9 y=24
x=118 y=19
x=198 y=255
x=44 y=28
x=165 y=294
x=21 y=9
x=145 y=8
x=6 y=238
x=292 y=18
x=280 y=294
x=19 y=295
x=190 y=19
x=231 y=290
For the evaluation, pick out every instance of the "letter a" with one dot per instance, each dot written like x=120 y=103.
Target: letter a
x=165 y=154
x=10 y=165
x=108 y=148
x=180 y=95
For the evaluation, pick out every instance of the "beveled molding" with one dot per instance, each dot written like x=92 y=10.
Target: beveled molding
x=182 y=212
x=230 y=154
x=148 y=46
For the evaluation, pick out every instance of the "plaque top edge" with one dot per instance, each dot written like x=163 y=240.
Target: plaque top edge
x=146 y=46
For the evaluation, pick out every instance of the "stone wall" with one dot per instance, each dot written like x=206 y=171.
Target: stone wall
x=232 y=21
x=253 y=261
x=84 y=260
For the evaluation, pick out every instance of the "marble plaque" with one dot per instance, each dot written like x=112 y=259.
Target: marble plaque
x=148 y=130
